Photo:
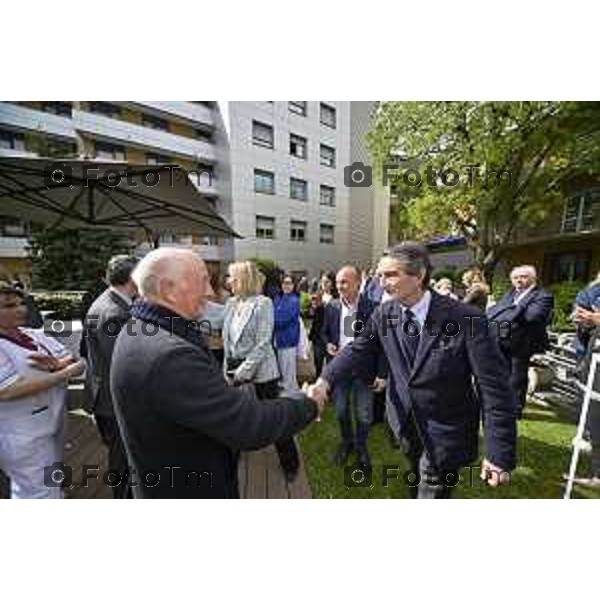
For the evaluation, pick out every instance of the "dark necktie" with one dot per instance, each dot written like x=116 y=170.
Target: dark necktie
x=408 y=336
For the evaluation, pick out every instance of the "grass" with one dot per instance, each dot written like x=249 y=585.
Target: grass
x=544 y=450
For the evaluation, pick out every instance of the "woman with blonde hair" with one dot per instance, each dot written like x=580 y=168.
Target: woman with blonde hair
x=248 y=329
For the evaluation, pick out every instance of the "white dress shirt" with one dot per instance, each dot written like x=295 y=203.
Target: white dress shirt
x=522 y=294
x=348 y=310
x=420 y=309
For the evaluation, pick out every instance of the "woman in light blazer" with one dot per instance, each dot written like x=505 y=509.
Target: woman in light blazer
x=248 y=346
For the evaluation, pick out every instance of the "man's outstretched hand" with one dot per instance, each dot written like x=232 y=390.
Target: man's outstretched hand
x=318 y=393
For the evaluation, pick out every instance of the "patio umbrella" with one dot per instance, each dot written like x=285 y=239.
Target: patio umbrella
x=71 y=194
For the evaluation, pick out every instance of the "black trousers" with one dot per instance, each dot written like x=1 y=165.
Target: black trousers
x=519 y=378
x=286 y=448
x=319 y=356
x=429 y=481
x=117 y=457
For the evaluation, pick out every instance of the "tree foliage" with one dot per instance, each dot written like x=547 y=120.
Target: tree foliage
x=73 y=259
x=516 y=162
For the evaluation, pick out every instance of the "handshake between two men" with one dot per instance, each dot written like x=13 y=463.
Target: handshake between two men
x=320 y=391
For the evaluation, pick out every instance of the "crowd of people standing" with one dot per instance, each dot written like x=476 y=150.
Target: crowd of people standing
x=235 y=386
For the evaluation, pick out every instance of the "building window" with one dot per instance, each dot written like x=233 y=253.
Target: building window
x=264 y=182
x=110 y=151
x=10 y=227
x=203 y=176
x=262 y=134
x=209 y=240
x=298 y=107
x=328 y=115
x=327 y=195
x=106 y=108
x=60 y=147
x=63 y=109
x=298 y=189
x=12 y=141
x=205 y=136
x=155 y=123
x=298 y=146
x=298 y=231
x=327 y=234
x=327 y=156
x=581 y=213
x=158 y=159
x=265 y=228
x=567 y=266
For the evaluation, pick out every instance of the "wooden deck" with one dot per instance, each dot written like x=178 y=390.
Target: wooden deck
x=259 y=474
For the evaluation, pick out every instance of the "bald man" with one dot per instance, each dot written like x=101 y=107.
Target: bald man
x=344 y=318
x=181 y=424
x=528 y=309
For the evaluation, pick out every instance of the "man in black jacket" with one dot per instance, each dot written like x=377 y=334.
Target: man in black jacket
x=104 y=320
x=181 y=424
x=528 y=309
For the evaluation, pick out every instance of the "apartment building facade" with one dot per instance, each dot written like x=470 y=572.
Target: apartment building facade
x=189 y=134
x=290 y=202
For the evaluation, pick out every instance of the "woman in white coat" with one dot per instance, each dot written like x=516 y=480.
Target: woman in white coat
x=34 y=373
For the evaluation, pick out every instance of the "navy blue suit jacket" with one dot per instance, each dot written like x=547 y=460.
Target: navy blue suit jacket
x=438 y=389
x=330 y=331
x=528 y=320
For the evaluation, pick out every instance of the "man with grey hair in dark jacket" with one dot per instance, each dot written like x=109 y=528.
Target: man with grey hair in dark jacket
x=181 y=423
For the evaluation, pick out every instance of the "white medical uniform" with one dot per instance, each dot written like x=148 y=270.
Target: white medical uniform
x=31 y=428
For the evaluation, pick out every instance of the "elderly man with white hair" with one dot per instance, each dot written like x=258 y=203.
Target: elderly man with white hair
x=182 y=425
x=528 y=309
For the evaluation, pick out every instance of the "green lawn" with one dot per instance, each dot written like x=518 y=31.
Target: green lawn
x=544 y=455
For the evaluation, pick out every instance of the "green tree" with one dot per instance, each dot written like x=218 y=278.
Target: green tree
x=515 y=162
x=73 y=259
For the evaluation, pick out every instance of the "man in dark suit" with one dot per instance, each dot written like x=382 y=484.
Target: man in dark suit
x=104 y=320
x=528 y=310
x=434 y=347
x=343 y=319
x=182 y=425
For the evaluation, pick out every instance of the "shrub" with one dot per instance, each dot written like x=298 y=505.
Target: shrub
x=63 y=305
x=564 y=298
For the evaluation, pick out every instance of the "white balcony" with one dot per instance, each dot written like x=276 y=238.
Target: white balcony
x=27 y=119
x=196 y=114
x=131 y=134
x=13 y=247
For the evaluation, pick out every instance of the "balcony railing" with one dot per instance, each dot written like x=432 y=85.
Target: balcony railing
x=132 y=134
x=28 y=119
x=196 y=114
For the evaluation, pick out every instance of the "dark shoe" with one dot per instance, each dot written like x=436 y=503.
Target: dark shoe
x=364 y=460
x=342 y=454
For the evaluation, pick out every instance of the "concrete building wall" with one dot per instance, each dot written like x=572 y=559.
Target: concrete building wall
x=360 y=223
